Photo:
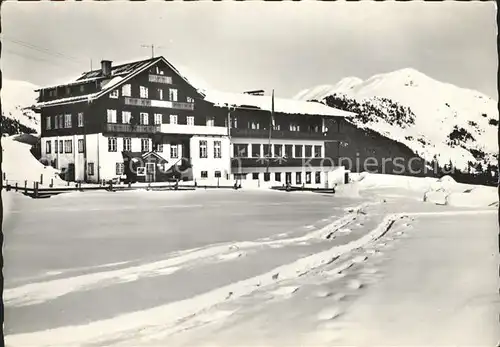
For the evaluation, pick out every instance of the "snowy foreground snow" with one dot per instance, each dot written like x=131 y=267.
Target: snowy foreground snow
x=373 y=265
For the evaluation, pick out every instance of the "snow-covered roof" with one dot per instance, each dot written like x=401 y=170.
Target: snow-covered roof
x=72 y=99
x=120 y=69
x=119 y=75
x=264 y=102
x=70 y=83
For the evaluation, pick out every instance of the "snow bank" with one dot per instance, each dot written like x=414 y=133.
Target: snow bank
x=19 y=164
x=475 y=197
x=264 y=102
x=348 y=190
x=442 y=191
x=446 y=191
x=372 y=180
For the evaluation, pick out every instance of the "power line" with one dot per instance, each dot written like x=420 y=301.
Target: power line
x=42 y=49
x=34 y=58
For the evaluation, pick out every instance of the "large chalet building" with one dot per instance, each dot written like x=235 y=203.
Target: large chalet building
x=145 y=121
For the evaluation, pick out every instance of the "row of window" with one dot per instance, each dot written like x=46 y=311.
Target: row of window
x=290 y=151
x=144 y=118
x=63 y=146
x=145 y=146
x=158 y=93
x=204 y=149
x=63 y=121
x=255 y=125
x=277 y=176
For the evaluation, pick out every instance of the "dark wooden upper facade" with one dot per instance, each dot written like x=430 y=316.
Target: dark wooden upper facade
x=168 y=93
x=161 y=83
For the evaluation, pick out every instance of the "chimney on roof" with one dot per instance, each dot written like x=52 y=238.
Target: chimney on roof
x=106 y=68
x=255 y=92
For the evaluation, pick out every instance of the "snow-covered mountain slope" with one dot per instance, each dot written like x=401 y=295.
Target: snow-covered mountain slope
x=17 y=95
x=437 y=120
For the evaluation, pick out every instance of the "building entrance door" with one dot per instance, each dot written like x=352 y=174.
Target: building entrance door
x=151 y=172
x=288 y=178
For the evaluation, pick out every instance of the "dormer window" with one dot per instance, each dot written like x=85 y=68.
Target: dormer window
x=189 y=99
x=158 y=71
x=82 y=88
x=68 y=90
x=114 y=94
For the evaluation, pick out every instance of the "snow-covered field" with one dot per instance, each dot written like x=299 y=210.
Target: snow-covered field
x=372 y=265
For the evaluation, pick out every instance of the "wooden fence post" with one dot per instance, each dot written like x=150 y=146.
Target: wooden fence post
x=4 y=176
x=26 y=186
x=16 y=186
x=41 y=178
x=35 y=189
x=51 y=182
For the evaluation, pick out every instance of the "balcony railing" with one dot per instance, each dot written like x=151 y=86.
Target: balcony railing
x=159 y=103
x=193 y=129
x=182 y=105
x=278 y=134
x=129 y=128
x=160 y=79
x=283 y=162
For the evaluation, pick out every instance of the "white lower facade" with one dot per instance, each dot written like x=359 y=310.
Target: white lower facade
x=210 y=164
x=105 y=161
x=209 y=155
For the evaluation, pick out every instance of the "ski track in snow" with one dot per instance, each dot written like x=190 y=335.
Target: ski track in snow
x=161 y=321
x=36 y=293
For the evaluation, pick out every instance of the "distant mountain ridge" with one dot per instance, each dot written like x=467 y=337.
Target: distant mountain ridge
x=439 y=121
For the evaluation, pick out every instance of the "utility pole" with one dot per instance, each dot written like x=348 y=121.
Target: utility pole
x=271 y=125
x=229 y=110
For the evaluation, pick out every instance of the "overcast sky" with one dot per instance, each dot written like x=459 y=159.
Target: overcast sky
x=237 y=46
